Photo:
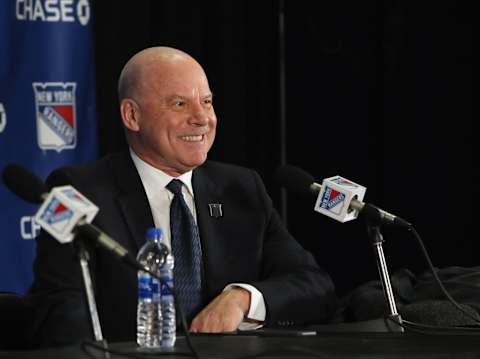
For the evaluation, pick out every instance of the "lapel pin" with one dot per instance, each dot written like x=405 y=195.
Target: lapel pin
x=215 y=210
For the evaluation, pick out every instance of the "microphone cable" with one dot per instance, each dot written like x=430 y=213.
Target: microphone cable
x=437 y=278
x=422 y=328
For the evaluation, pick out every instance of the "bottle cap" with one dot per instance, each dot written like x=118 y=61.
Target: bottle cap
x=154 y=233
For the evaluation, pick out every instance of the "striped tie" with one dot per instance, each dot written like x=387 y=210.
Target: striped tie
x=187 y=253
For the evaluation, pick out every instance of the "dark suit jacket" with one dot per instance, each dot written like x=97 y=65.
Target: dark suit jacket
x=247 y=244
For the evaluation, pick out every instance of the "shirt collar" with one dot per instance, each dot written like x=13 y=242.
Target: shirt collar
x=154 y=178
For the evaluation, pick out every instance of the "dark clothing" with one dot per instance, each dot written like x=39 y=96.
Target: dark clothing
x=248 y=244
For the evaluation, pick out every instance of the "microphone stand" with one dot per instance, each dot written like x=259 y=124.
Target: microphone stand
x=84 y=257
x=377 y=241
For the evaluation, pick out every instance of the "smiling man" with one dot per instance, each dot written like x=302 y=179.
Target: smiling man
x=236 y=264
x=167 y=109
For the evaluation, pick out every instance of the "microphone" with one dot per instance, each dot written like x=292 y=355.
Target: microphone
x=24 y=184
x=64 y=212
x=337 y=197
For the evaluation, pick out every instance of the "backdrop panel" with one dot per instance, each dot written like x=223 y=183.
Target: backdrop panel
x=47 y=111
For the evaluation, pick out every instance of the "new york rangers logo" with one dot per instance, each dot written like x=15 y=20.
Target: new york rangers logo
x=57 y=215
x=73 y=195
x=332 y=200
x=344 y=182
x=56 y=115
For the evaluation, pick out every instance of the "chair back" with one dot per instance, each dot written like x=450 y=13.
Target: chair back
x=14 y=316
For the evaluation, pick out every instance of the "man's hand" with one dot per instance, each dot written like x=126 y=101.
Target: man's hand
x=224 y=313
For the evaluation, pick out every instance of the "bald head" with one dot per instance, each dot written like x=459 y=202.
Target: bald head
x=167 y=109
x=138 y=69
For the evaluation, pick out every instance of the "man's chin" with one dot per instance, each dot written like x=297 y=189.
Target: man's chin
x=193 y=163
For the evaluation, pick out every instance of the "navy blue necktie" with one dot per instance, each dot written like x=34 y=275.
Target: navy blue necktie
x=187 y=253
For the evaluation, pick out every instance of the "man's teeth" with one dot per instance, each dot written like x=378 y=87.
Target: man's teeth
x=192 y=138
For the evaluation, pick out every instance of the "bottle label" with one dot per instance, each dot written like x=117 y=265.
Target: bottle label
x=155 y=289
x=166 y=285
x=145 y=286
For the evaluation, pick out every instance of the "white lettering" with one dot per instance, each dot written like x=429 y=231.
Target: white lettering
x=63 y=96
x=3 y=118
x=53 y=11
x=19 y=10
x=44 y=96
x=83 y=12
x=66 y=9
x=29 y=228
x=28 y=9
x=38 y=12
x=51 y=8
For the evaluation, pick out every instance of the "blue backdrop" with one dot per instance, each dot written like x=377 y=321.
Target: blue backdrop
x=47 y=111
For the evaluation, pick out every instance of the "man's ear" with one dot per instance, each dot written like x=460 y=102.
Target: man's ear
x=130 y=113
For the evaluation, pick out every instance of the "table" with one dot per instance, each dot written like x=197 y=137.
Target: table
x=321 y=345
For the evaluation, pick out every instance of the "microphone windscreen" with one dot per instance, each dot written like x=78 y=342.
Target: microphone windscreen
x=294 y=179
x=24 y=183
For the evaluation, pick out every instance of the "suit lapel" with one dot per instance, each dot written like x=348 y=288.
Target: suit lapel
x=206 y=191
x=132 y=200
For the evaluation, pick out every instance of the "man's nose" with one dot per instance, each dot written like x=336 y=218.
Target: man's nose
x=199 y=115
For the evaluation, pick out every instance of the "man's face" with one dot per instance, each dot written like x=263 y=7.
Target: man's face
x=176 y=117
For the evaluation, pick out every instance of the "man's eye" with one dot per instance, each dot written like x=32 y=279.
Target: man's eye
x=179 y=104
x=207 y=102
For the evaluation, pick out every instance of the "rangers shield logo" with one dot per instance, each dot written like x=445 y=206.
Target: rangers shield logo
x=332 y=200
x=57 y=215
x=344 y=182
x=56 y=118
x=73 y=195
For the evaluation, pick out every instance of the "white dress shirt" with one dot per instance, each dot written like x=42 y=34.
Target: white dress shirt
x=159 y=197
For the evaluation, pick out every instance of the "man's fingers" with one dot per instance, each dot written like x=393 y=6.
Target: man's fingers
x=216 y=322
x=224 y=313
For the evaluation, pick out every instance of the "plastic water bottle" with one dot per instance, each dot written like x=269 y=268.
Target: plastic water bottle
x=149 y=313
x=169 y=320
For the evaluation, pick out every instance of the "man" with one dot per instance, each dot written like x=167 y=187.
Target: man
x=250 y=269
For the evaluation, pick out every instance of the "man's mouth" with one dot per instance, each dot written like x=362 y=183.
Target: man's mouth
x=195 y=138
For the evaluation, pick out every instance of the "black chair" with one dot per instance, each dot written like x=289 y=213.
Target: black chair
x=14 y=317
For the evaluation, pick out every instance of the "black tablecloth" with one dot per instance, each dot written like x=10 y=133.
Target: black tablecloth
x=322 y=345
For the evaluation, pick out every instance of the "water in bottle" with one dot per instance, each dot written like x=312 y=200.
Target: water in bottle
x=169 y=322
x=152 y=255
